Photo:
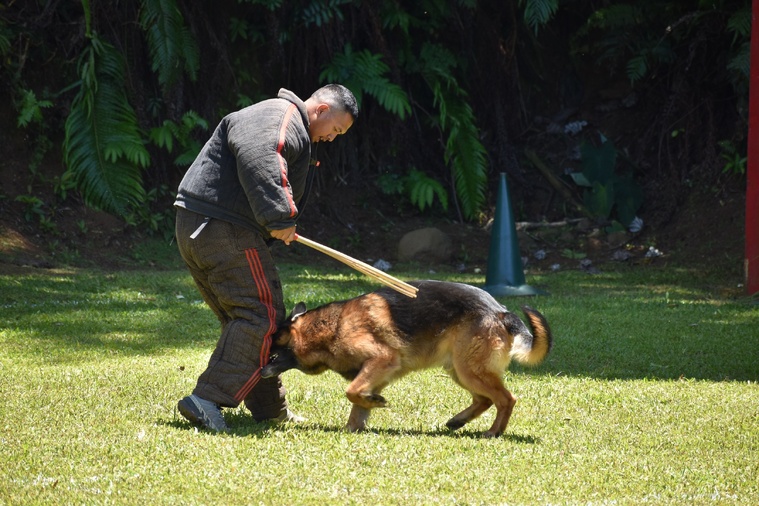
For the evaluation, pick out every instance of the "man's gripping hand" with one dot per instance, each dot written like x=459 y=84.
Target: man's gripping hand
x=286 y=235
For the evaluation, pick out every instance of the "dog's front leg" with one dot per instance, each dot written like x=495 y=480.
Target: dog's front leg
x=357 y=418
x=375 y=374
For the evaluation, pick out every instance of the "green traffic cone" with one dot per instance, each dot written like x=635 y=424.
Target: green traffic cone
x=505 y=276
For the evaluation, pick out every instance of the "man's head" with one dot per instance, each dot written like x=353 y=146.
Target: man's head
x=332 y=109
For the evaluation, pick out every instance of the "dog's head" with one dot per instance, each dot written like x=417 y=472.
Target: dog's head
x=281 y=356
x=282 y=335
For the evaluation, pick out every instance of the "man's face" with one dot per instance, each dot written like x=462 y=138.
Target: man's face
x=327 y=123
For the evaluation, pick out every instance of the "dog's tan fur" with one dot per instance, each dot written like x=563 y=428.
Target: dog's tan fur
x=378 y=337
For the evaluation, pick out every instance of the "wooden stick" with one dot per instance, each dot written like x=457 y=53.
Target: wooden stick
x=383 y=277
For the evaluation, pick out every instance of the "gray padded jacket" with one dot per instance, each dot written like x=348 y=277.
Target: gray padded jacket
x=253 y=170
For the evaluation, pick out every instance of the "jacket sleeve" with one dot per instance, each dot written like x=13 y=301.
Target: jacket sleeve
x=267 y=147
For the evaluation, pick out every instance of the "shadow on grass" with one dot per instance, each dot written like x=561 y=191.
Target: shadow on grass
x=74 y=317
x=242 y=424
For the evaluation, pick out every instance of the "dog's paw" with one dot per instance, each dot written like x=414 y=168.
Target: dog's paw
x=455 y=423
x=366 y=400
x=374 y=400
x=355 y=428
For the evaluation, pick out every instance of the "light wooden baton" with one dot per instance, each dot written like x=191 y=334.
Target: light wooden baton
x=372 y=272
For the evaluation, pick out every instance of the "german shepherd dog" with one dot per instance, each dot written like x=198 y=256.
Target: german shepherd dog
x=374 y=339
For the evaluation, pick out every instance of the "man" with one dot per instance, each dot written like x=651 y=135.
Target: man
x=246 y=189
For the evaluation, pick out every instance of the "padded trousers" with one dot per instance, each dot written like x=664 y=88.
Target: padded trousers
x=235 y=274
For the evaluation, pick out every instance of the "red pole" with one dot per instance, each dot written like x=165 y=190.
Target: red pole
x=751 y=262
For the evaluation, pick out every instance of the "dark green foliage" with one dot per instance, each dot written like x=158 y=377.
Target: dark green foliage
x=464 y=152
x=739 y=65
x=321 y=12
x=30 y=108
x=454 y=83
x=180 y=133
x=740 y=24
x=364 y=72
x=103 y=147
x=418 y=187
x=640 y=37
x=625 y=42
x=605 y=189
x=269 y=4
x=422 y=190
x=734 y=158
x=5 y=43
x=537 y=13
x=173 y=50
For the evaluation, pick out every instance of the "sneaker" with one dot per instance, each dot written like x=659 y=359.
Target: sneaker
x=202 y=413
x=288 y=417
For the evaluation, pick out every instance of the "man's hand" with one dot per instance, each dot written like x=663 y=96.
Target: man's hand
x=286 y=235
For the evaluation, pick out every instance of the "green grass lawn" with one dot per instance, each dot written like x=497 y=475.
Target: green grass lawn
x=649 y=396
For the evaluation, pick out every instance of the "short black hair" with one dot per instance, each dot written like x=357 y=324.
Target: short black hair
x=337 y=95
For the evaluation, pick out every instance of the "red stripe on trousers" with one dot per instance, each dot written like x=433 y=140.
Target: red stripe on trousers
x=264 y=292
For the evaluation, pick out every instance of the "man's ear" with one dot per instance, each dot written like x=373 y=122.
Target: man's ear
x=322 y=108
x=298 y=311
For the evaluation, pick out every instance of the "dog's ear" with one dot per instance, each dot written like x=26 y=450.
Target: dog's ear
x=298 y=311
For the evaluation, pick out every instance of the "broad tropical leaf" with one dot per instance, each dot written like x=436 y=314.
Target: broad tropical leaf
x=599 y=163
x=103 y=148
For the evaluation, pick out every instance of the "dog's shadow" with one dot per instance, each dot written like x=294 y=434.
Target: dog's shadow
x=257 y=429
x=441 y=432
x=243 y=426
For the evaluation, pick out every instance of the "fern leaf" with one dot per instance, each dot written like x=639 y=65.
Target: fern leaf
x=469 y=165
x=172 y=48
x=422 y=190
x=637 y=68
x=615 y=17
x=364 y=72
x=396 y=18
x=163 y=136
x=429 y=195
x=30 y=109
x=538 y=13
x=321 y=12
x=741 y=61
x=740 y=24
x=466 y=155
x=464 y=152
x=103 y=147
x=389 y=95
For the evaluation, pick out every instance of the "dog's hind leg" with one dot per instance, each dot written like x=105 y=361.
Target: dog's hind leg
x=490 y=385
x=486 y=387
x=479 y=405
x=504 y=402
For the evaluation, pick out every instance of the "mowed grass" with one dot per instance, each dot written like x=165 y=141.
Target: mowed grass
x=649 y=396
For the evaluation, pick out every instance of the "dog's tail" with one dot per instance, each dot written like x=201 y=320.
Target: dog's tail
x=532 y=348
